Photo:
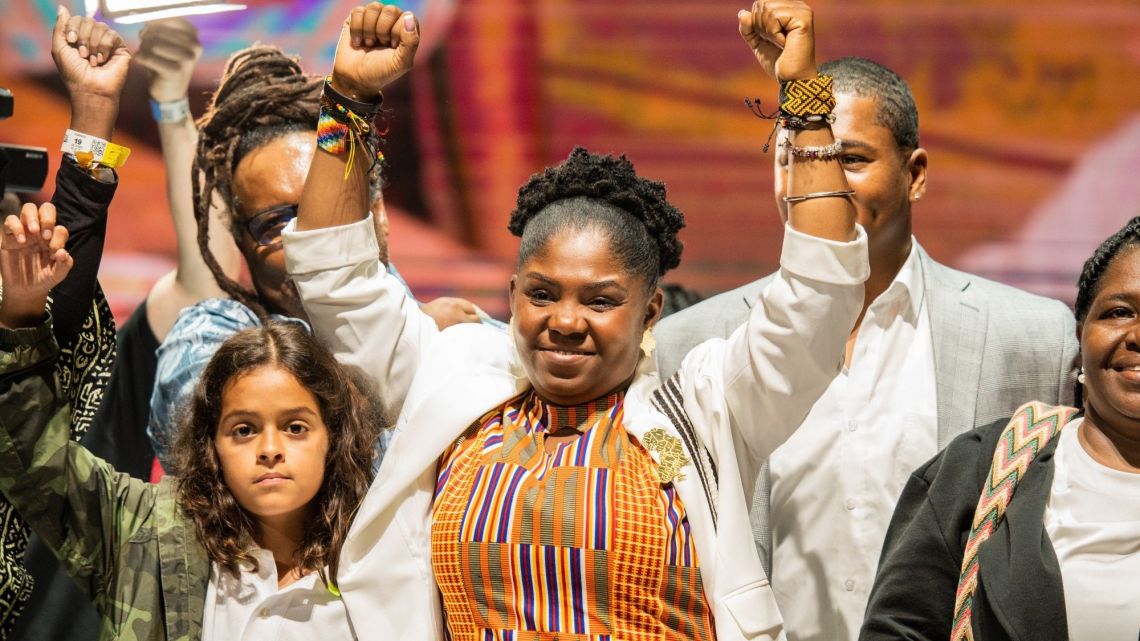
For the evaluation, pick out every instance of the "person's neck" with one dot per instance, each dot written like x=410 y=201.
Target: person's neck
x=282 y=536
x=885 y=266
x=1111 y=447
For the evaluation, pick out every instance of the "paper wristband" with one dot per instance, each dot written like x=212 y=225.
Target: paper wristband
x=170 y=112
x=101 y=151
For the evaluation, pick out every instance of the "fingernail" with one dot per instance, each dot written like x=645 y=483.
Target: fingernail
x=58 y=10
x=409 y=22
x=368 y=42
x=46 y=234
x=356 y=42
x=21 y=239
x=72 y=36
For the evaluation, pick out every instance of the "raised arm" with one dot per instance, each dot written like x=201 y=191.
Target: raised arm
x=169 y=50
x=377 y=45
x=772 y=369
x=92 y=63
x=76 y=502
x=331 y=249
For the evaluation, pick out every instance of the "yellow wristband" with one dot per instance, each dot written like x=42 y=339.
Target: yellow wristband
x=90 y=150
x=114 y=156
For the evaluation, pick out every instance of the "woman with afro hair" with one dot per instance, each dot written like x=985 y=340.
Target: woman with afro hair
x=544 y=483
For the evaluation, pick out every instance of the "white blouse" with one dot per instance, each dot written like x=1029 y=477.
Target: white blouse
x=251 y=607
x=1093 y=520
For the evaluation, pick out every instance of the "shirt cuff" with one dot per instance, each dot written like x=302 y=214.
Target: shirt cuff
x=828 y=261
x=92 y=188
x=330 y=247
x=10 y=339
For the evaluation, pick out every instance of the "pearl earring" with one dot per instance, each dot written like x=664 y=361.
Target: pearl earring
x=1081 y=376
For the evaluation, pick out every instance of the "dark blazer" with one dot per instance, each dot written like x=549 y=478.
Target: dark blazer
x=1019 y=594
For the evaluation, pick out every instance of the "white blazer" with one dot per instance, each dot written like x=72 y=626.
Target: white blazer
x=744 y=395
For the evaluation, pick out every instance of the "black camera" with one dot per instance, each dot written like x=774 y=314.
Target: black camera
x=22 y=168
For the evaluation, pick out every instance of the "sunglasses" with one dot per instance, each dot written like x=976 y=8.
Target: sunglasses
x=265 y=226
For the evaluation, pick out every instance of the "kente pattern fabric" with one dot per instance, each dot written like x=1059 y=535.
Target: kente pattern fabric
x=83 y=369
x=1031 y=428
x=578 y=541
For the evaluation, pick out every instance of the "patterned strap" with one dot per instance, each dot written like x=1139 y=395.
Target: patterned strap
x=667 y=399
x=1030 y=429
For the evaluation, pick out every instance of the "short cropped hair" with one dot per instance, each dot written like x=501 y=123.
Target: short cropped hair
x=895 y=108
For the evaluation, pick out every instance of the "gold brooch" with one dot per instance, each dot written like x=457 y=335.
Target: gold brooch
x=670 y=453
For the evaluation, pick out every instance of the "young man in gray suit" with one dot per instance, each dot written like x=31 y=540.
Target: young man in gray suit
x=935 y=353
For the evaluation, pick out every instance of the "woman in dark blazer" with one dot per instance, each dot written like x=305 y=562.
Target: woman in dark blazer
x=1064 y=560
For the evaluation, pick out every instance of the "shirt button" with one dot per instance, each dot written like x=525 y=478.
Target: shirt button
x=849 y=585
x=852 y=425
x=849 y=504
x=264 y=613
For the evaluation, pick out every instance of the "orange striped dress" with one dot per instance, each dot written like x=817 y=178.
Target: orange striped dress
x=580 y=543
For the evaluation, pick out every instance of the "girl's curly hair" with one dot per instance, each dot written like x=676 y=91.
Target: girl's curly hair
x=353 y=419
x=594 y=190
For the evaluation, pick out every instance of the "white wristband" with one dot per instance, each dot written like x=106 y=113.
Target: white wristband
x=75 y=141
x=103 y=152
x=170 y=112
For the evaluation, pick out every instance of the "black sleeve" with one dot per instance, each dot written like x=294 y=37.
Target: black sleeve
x=917 y=581
x=81 y=204
x=118 y=433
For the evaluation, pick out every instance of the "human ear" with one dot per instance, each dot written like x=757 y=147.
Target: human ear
x=654 y=306
x=512 y=289
x=916 y=166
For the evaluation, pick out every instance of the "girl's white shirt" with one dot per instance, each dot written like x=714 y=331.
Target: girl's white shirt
x=250 y=607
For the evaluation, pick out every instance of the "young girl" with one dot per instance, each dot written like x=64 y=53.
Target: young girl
x=274 y=454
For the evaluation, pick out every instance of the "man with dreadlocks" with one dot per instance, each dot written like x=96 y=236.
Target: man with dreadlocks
x=255 y=143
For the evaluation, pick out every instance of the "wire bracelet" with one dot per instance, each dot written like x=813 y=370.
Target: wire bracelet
x=839 y=193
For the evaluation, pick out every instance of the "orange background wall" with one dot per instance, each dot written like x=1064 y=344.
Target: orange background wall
x=1030 y=112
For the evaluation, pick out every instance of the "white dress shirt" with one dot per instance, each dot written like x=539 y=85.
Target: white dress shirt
x=1093 y=520
x=251 y=607
x=835 y=482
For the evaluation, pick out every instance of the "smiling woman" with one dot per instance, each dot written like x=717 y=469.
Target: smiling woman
x=1066 y=517
x=587 y=273
x=545 y=483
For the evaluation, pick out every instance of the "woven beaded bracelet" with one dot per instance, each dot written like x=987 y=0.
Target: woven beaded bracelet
x=822 y=152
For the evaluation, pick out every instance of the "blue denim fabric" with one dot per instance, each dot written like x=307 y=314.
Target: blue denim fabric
x=189 y=345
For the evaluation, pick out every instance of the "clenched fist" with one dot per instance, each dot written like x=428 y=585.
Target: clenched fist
x=377 y=45
x=782 y=35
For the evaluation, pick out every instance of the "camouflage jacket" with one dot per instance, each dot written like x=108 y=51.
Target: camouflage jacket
x=125 y=542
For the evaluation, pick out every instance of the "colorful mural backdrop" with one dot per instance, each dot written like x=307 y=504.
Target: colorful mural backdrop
x=1029 y=110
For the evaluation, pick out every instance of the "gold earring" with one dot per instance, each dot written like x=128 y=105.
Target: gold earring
x=648 y=342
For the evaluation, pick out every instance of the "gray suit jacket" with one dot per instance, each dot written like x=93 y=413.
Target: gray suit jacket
x=995 y=348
